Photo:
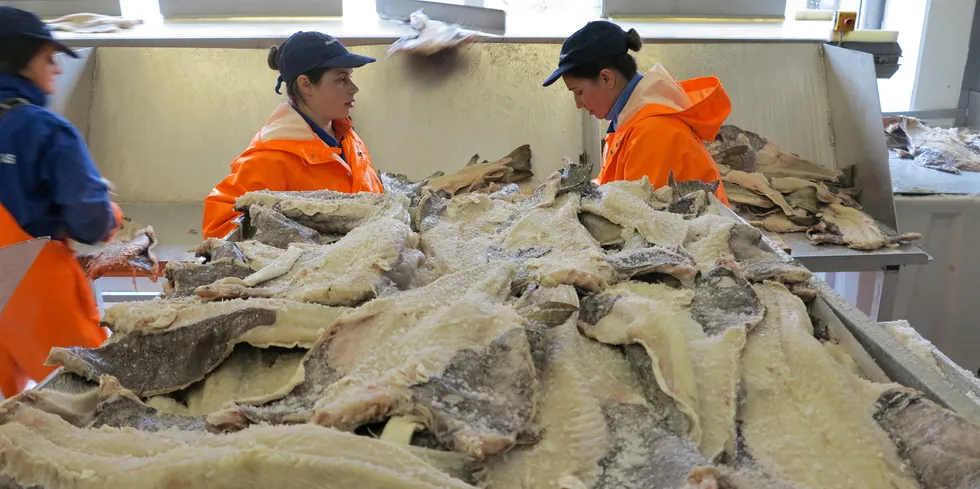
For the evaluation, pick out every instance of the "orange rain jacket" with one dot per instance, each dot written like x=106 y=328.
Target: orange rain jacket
x=286 y=155
x=53 y=306
x=663 y=127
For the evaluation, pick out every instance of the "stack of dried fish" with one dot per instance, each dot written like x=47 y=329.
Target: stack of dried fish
x=581 y=337
x=782 y=193
x=949 y=150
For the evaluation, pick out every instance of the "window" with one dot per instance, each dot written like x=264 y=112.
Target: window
x=250 y=8
x=49 y=9
x=694 y=8
x=469 y=13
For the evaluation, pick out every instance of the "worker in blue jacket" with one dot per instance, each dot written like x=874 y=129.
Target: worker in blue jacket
x=49 y=186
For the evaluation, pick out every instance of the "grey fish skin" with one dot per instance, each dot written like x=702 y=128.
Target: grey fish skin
x=663 y=408
x=723 y=300
x=274 y=229
x=690 y=205
x=942 y=447
x=595 y=307
x=644 y=455
x=686 y=187
x=488 y=393
x=123 y=412
x=183 y=278
x=160 y=363
x=655 y=259
x=604 y=231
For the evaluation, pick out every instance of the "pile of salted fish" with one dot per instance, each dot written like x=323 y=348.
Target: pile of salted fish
x=951 y=150
x=782 y=193
x=578 y=337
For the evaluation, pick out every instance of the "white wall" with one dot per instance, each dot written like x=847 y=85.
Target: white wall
x=942 y=54
x=166 y=123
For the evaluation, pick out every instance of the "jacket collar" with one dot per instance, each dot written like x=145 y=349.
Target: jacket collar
x=16 y=86
x=617 y=108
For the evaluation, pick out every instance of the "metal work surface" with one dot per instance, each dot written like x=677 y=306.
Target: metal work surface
x=834 y=258
x=908 y=178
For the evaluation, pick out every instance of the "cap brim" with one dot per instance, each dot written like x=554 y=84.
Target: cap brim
x=349 y=60
x=65 y=49
x=59 y=46
x=556 y=75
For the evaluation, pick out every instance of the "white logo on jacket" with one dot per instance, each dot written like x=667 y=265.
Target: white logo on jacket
x=8 y=159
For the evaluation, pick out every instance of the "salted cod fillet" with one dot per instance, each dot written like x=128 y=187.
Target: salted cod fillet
x=942 y=447
x=697 y=371
x=223 y=259
x=637 y=207
x=176 y=342
x=757 y=182
x=397 y=356
x=248 y=373
x=934 y=147
x=749 y=152
x=43 y=450
x=713 y=238
x=567 y=253
x=331 y=213
x=274 y=229
x=151 y=364
x=456 y=234
x=804 y=417
x=107 y=404
x=740 y=195
x=511 y=168
x=345 y=273
x=135 y=254
x=854 y=229
x=599 y=433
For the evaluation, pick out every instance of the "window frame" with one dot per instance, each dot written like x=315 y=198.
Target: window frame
x=695 y=8
x=50 y=9
x=202 y=9
x=472 y=14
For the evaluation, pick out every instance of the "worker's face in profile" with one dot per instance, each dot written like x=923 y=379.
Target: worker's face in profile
x=333 y=97
x=43 y=69
x=596 y=96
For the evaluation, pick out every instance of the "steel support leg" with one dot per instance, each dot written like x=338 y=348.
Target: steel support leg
x=886 y=287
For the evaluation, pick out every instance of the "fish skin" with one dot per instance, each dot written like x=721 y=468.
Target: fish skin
x=759 y=183
x=167 y=369
x=942 y=447
x=932 y=147
x=135 y=254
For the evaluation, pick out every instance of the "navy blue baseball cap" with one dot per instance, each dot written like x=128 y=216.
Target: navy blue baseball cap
x=305 y=51
x=598 y=40
x=21 y=24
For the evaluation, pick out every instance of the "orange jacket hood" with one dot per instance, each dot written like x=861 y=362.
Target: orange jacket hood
x=701 y=103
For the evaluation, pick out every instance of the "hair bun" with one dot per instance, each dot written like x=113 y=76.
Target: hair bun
x=273 y=58
x=633 y=41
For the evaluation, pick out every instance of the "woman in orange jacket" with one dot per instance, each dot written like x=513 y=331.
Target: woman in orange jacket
x=50 y=187
x=656 y=125
x=308 y=143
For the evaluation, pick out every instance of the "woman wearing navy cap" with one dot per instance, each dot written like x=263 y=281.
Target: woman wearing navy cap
x=50 y=187
x=656 y=124
x=308 y=143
